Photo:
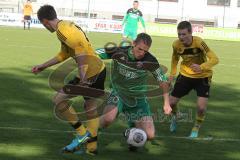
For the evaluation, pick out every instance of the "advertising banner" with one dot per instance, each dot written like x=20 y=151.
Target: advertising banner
x=113 y=26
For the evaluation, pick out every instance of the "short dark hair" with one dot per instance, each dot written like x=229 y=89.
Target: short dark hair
x=185 y=25
x=46 y=12
x=135 y=2
x=145 y=38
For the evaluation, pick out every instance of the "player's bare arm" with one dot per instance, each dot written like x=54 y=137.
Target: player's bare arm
x=196 y=68
x=81 y=68
x=38 y=68
x=166 y=106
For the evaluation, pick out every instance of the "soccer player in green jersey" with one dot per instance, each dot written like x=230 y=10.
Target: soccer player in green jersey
x=129 y=75
x=130 y=22
x=195 y=72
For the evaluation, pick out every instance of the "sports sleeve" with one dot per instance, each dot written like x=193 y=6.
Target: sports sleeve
x=174 y=61
x=125 y=18
x=63 y=54
x=142 y=20
x=77 y=43
x=159 y=75
x=31 y=10
x=212 y=57
x=156 y=69
x=101 y=52
x=74 y=38
x=106 y=53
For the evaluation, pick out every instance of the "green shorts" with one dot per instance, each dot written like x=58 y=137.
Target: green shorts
x=130 y=33
x=132 y=112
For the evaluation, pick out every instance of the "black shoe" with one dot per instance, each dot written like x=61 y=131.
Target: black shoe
x=132 y=148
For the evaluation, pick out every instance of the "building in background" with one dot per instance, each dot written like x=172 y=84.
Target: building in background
x=216 y=13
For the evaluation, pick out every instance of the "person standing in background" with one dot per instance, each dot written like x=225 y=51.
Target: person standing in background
x=27 y=12
x=130 y=22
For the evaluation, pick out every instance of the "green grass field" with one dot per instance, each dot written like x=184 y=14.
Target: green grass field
x=29 y=129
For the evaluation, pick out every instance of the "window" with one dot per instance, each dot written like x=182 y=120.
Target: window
x=204 y=23
x=169 y=0
x=85 y=15
x=9 y=10
x=165 y=21
x=219 y=2
x=117 y=17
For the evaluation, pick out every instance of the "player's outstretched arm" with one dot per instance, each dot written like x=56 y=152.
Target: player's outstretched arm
x=103 y=54
x=38 y=68
x=143 y=24
x=174 y=63
x=166 y=105
x=125 y=19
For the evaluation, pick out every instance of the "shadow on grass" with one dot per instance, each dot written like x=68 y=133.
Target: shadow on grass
x=26 y=103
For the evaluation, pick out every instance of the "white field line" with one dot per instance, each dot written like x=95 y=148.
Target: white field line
x=119 y=134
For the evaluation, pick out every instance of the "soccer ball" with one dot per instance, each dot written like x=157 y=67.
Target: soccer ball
x=136 y=137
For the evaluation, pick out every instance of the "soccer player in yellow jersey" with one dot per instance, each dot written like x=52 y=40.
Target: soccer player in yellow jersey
x=195 y=72
x=27 y=12
x=75 y=44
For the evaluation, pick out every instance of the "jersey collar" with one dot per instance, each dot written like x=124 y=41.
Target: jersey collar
x=130 y=54
x=59 y=23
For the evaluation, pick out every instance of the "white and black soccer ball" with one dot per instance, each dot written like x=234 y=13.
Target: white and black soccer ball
x=136 y=137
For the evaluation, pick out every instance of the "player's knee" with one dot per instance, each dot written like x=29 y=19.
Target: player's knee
x=54 y=100
x=58 y=101
x=107 y=120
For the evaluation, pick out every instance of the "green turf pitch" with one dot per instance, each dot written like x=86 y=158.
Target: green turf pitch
x=30 y=131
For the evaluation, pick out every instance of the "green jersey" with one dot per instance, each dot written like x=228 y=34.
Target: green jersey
x=132 y=17
x=129 y=76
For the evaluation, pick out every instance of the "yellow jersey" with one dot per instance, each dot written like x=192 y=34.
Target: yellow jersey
x=27 y=9
x=197 y=53
x=75 y=43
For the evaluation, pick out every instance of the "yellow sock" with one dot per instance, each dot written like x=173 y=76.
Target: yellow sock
x=92 y=126
x=81 y=130
x=68 y=113
x=198 y=122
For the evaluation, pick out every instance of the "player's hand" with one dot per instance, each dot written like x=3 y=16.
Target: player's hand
x=196 y=68
x=167 y=109
x=37 y=69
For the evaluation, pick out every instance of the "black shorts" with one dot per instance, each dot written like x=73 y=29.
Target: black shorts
x=27 y=18
x=97 y=82
x=184 y=85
